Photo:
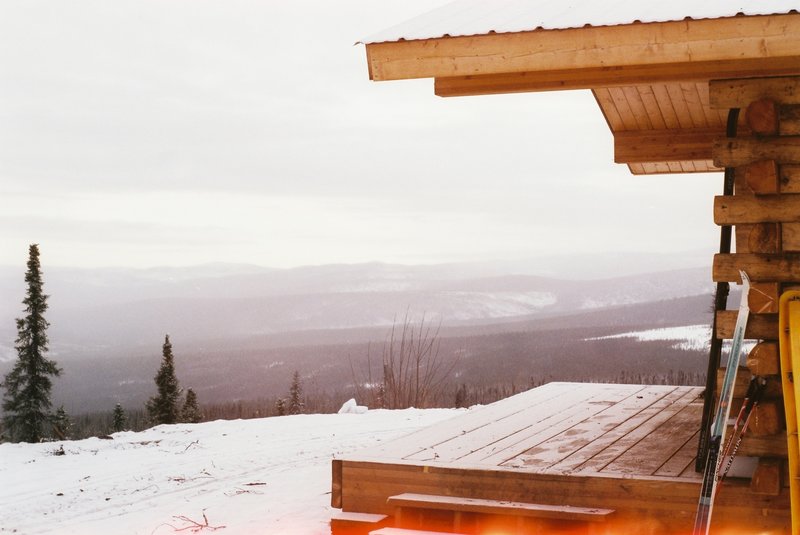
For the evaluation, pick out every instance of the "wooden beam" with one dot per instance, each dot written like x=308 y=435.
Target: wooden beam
x=763 y=359
x=737 y=209
x=762 y=117
x=766 y=419
x=759 y=326
x=336 y=483
x=789 y=120
x=759 y=267
x=672 y=46
x=790 y=236
x=643 y=146
x=790 y=178
x=590 y=78
x=730 y=152
x=763 y=297
x=758 y=238
x=761 y=177
x=767 y=477
x=773 y=386
x=725 y=94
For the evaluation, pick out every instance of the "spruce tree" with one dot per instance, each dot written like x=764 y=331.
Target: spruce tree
x=163 y=408
x=191 y=412
x=280 y=407
x=26 y=401
x=120 y=420
x=62 y=425
x=295 y=395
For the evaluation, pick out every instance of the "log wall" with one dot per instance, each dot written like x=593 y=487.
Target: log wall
x=765 y=213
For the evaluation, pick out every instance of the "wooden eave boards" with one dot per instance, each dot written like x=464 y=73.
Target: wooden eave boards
x=650 y=80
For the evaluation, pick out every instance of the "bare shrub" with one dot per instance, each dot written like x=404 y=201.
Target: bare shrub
x=413 y=371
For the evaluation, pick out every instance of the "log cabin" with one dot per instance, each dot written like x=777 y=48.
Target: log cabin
x=685 y=87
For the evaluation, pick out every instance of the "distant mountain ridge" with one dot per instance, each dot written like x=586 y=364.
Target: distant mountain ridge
x=118 y=307
x=239 y=331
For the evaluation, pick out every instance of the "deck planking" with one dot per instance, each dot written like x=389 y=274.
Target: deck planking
x=626 y=447
x=561 y=428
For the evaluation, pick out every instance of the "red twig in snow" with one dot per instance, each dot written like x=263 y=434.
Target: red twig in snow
x=193 y=525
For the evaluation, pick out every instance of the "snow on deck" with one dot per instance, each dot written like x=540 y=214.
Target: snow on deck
x=268 y=475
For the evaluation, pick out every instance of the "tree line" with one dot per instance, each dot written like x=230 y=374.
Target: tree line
x=409 y=372
x=27 y=405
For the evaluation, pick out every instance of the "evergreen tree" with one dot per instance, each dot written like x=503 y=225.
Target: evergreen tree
x=26 y=402
x=120 y=419
x=280 y=407
x=461 y=396
x=62 y=425
x=191 y=412
x=163 y=408
x=295 y=395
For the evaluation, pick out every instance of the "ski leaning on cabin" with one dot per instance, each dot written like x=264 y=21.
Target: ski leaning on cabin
x=711 y=475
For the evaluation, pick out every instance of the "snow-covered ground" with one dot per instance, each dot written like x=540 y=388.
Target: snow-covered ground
x=268 y=475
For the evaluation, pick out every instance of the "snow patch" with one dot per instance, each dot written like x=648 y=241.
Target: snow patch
x=593 y=304
x=477 y=305
x=374 y=287
x=351 y=407
x=687 y=337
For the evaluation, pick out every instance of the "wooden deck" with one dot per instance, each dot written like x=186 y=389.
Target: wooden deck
x=626 y=447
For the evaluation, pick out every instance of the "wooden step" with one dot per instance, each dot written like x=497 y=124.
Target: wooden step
x=401 y=531
x=347 y=523
x=497 y=507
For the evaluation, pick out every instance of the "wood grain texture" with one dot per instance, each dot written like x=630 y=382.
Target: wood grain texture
x=759 y=326
x=766 y=43
x=737 y=209
x=734 y=152
x=789 y=120
x=727 y=94
x=767 y=477
x=758 y=238
x=790 y=237
x=789 y=176
x=762 y=177
x=646 y=446
x=759 y=267
x=763 y=297
x=762 y=117
x=641 y=146
x=766 y=419
x=743 y=376
x=763 y=359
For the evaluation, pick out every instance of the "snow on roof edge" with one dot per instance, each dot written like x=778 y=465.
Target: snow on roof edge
x=481 y=17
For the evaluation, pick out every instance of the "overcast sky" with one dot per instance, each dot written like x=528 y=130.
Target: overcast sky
x=166 y=132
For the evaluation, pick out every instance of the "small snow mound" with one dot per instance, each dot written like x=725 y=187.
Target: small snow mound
x=351 y=407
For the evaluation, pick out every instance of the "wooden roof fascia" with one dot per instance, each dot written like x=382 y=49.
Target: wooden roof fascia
x=620 y=76
x=609 y=55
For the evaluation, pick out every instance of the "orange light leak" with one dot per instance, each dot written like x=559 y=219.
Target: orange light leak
x=521 y=525
x=633 y=528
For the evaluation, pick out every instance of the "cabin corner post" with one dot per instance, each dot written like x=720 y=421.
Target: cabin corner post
x=765 y=214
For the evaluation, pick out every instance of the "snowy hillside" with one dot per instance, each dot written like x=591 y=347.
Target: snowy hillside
x=267 y=475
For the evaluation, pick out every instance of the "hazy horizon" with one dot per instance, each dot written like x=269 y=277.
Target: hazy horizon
x=679 y=260
x=139 y=133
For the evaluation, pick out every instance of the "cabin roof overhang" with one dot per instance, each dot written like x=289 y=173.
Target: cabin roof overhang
x=650 y=79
